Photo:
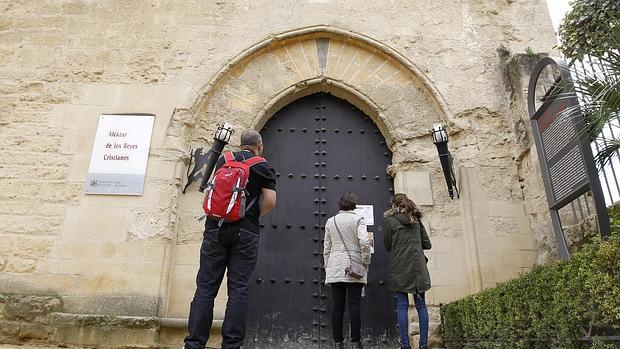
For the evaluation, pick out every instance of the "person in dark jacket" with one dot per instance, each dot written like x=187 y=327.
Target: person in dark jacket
x=405 y=238
x=231 y=249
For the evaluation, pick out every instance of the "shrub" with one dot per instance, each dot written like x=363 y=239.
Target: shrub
x=588 y=28
x=553 y=304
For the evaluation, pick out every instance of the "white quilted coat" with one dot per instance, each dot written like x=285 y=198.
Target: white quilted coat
x=355 y=235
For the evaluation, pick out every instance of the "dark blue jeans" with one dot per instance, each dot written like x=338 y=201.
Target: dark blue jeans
x=231 y=248
x=402 y=309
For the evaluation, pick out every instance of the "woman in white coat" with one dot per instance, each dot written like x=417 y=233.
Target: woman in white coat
x=346 y=240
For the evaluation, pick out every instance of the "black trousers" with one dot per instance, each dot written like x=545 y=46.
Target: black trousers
x=342 y=291
x=235 y=250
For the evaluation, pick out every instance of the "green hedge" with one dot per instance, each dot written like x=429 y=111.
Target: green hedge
x=553 y=304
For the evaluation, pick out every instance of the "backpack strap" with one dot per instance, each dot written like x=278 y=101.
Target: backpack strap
x=229 y=156
x=254 y=160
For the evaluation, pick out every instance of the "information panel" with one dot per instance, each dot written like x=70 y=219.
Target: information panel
x=120 y=153
x=562 y=144
x=366 y=211
x=562 y=149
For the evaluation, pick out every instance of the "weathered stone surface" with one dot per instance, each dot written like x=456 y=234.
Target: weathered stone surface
x=198 y=63
x=516 y=77
x=29 y=308
x=122 y=305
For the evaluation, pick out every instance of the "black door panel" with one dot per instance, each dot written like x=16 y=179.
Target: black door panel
x=320 y=146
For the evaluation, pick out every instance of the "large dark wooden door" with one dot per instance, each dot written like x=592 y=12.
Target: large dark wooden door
x=320 y=147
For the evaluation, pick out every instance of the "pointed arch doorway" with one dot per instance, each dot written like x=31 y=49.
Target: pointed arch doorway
x=320 y=147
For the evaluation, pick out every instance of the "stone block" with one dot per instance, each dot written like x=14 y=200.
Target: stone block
x=460 y=278
x=417 y=186
x=333 y=56
x=185 y=271
x=121 y=251
x=506 y=209
x=430 y=297
x=505 y=225
x=187 y=254
x=300 y=60
x=358 y=60
x=161 y=169
x=47 y=266
x=182 y=291
x=20 y=265
x=432 y=260
x=386 y=71
x=28 y=308
x=287 y=64
x=33 y=246
x=78 y=169
x=75 y=249
x=79 y=136
x=156 y=251
x=151 y=224
x=123 y=305
x=105 y=331
x=96 y=223
x=367 y=70
x=310 y=52
x=31 y=225
x=49 y=144
x=446 y=294
x=6 y=244
x=453 y=261
x=36 y=331
x=483 y=226
x=441 y=244
x=34 y=172
x=343 y=62
x=240 y=103
x=521 y=242
x=441 y=278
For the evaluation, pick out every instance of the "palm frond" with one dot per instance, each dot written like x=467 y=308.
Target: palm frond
x=607 y=153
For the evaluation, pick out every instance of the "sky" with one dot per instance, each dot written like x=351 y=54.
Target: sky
x=557 y=10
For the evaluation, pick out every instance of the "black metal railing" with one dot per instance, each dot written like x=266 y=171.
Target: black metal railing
x=592 y=67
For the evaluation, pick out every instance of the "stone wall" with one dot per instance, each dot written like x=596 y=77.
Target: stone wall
x=196 y=63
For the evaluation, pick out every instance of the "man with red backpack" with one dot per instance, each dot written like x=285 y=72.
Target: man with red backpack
x=230 y=240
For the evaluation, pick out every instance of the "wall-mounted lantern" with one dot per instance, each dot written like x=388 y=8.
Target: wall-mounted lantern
x=440 y=139
x=221 y=138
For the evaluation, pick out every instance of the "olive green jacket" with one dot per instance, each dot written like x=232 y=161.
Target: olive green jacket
x=407 y=271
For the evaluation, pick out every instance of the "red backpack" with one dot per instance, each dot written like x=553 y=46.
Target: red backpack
x=226 y=195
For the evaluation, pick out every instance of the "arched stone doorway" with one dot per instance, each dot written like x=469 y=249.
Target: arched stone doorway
x=396 y=96
x=320 y=147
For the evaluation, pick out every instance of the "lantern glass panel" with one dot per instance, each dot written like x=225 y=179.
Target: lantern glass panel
x=439 y=134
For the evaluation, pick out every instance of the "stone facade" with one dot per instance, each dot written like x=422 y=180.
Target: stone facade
x=196 y=63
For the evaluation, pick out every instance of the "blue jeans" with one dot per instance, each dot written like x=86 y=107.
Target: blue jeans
x=235 y=249
x=402 y=309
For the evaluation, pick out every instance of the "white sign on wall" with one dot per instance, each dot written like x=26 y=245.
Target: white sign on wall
x=120 y=153
x=367 y=212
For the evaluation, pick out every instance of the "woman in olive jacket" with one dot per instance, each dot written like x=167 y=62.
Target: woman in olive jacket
x=405 y=238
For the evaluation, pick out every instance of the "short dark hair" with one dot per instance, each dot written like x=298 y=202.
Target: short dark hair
x=250 y=137
x=348 y=201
